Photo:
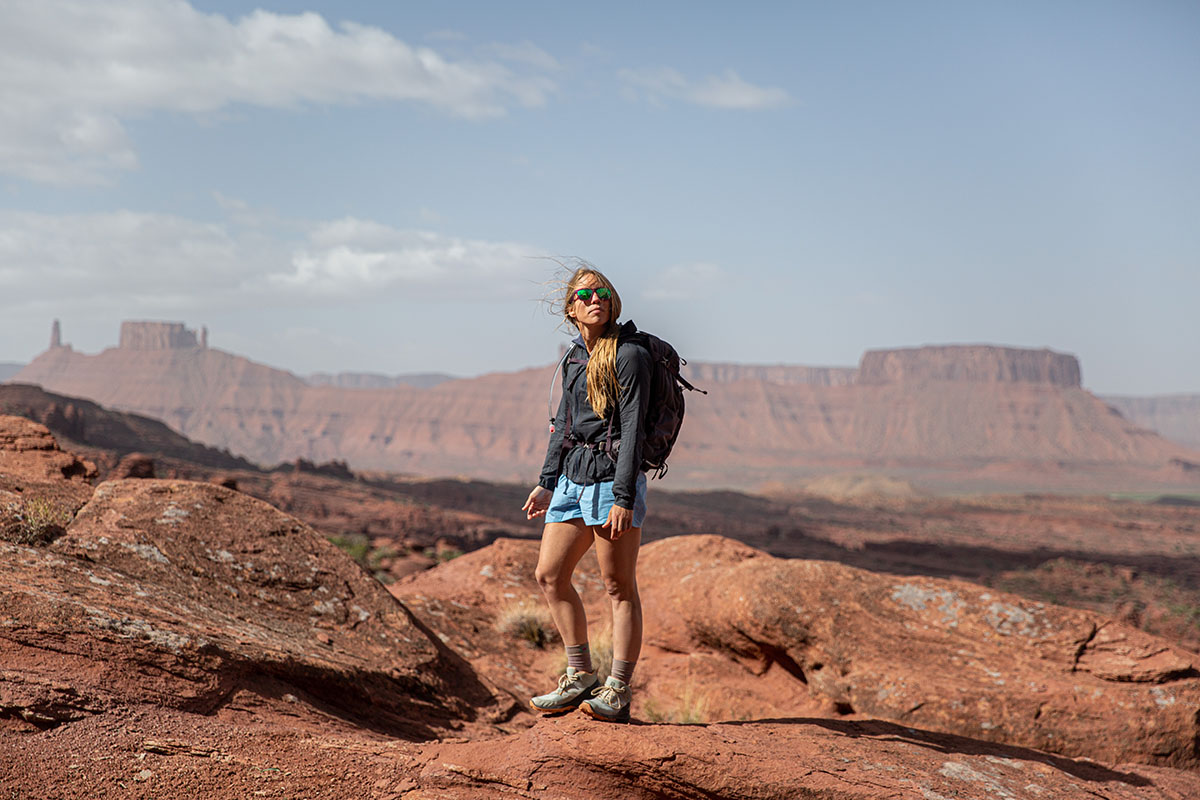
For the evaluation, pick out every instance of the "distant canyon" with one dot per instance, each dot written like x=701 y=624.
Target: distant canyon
x=950 y=417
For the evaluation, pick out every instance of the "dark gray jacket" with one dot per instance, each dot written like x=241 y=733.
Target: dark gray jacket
x=588 y=461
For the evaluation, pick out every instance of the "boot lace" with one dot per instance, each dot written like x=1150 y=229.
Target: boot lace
x=610 y=695
x=565 y=682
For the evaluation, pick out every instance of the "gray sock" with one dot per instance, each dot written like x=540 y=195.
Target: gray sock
x=623 y=670
x=580 y=657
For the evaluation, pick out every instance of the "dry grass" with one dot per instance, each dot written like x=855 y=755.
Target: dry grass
x=602 y=656
x=34 y=520
x=689 y=708
x=529 y=620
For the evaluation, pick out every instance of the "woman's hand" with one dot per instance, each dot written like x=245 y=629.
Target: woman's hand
x=619 y=521
x=538 y=502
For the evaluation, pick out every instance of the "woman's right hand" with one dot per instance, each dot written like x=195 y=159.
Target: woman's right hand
x=538 y=502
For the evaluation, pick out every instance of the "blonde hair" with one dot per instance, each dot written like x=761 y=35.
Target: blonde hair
x=603 y=388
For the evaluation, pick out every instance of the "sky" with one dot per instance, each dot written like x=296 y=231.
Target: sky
x=386 y=187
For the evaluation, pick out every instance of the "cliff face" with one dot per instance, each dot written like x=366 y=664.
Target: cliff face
x=373 y=380
x=156 y=336
x=783 y=374
x=975 y=363
x=949 y=408
x=84 y=422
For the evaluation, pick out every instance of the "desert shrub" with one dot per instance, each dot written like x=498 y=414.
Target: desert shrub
x=34 y=520
x=527 y=620
x=355 y=545
x=378 y=559
x=444 y=554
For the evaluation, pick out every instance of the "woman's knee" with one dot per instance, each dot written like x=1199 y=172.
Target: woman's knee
x=620 y=587
x=552 y=581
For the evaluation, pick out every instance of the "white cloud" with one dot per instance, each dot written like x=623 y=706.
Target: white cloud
x=727 y=91
x=149 y=263
x=359 y=257
x=72 y=70
x=102 y=257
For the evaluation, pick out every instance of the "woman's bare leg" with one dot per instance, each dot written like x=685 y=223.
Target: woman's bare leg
x=618 y=568
x=563 y=544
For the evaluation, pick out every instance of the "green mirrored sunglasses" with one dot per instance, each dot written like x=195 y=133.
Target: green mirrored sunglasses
x=602 y=292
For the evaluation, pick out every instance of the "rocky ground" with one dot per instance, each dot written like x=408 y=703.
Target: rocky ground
x=1134 y=559
x=166 y=637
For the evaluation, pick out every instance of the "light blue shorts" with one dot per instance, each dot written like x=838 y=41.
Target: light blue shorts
x=591 y=503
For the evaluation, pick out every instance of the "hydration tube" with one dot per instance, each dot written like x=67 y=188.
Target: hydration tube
x=550 y=395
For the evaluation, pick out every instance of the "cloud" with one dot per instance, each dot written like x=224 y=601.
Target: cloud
x=72 y=71
x=149 y=263
x=352 y=257
x=727 y=91
x=102 y=257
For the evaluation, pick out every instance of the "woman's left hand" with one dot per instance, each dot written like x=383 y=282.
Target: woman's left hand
x=619 y=521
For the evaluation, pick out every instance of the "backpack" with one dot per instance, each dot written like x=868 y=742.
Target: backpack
x=665 y=406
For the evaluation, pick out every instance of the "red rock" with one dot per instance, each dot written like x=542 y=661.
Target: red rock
x=944 y=415
x=183 y=640
x=573 y=758
x=936 y=654
x=39 y=483
x=796 y=758
x=974 y=363
x=734 y=633
x=134 y=465
x=27 y=449
x=195 y=597
x=80 y=422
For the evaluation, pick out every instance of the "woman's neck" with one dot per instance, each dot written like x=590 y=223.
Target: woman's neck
x=592 y=334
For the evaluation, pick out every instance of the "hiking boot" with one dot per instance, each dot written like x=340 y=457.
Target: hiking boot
x=573 y=686
x=610 y=702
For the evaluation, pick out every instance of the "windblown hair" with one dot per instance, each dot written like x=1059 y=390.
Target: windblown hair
x=603 y=389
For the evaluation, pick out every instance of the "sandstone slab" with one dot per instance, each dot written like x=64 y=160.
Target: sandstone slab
x=195 y=597
x=938 y=654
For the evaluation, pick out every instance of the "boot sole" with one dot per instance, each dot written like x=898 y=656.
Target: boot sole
x=567 y=709
x=552 y=712
x=586 y=708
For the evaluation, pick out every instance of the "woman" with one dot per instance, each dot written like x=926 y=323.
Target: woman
x=591 y=491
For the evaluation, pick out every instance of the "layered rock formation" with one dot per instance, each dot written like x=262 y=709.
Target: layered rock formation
x=372 y=380
x=709 y=374
x=84 y=423
x=948 y=414
x=157 y=336
x=973 y=363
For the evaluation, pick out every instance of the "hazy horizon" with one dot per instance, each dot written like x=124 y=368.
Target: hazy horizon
x=376 y=187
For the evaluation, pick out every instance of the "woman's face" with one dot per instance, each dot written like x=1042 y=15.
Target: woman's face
x=595 y=311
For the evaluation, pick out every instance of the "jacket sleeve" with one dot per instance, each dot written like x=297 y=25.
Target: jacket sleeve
x=553 y=463
x=633 y=373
